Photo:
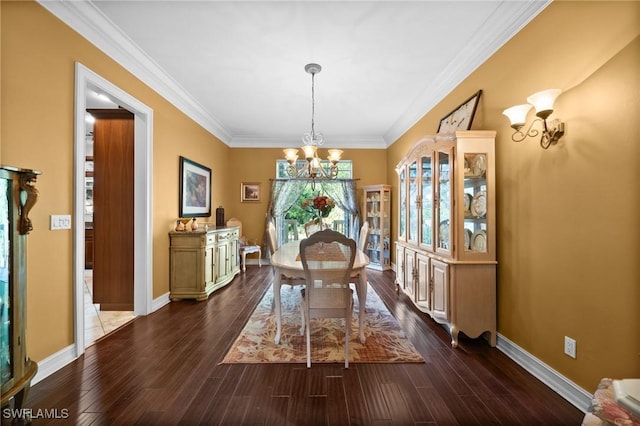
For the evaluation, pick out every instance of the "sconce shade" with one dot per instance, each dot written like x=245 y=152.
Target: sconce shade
x=543 y=101
x=517 y=115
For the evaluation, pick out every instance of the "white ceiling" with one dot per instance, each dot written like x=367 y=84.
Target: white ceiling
x=237 y=67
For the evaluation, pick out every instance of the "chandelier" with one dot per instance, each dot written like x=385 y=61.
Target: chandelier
x=313 y=168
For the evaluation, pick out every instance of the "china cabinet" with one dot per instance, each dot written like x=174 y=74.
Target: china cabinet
x=377 y=212
x=17 y=196
x=445 y=253
x=202 y=261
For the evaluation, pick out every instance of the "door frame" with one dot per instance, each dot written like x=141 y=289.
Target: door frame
x=142 y=214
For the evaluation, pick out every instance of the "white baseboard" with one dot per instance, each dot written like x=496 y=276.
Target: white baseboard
x=564 y=387
x=53 y=363
x=160 y=302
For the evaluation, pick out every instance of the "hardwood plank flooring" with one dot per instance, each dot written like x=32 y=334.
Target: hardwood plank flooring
x=164 y=369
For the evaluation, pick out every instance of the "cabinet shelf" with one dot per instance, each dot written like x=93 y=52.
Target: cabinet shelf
x=377 y=212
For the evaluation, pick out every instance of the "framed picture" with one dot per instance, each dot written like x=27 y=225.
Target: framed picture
x=249 y=191
x=195 y=189
x=461 y=117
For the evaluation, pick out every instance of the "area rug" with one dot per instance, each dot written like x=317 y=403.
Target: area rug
x=385 y=340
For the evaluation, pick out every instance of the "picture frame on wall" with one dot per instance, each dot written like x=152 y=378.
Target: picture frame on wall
x=461 y=117
x=250 y=192
x=195 y=189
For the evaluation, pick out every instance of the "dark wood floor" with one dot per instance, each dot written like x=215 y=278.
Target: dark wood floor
x=163 y=369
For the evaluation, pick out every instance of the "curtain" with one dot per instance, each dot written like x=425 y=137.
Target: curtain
x=343 y=192
x=286 y=192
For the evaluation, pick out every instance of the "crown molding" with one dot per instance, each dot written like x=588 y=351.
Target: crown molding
x=87 y=20
x=485 y=44
x=334 y=141
x=84 y=18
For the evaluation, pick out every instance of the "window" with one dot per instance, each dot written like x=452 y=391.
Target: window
x=292 y=218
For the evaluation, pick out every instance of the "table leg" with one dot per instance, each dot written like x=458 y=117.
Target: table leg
x=276 y=300
x=362 y=300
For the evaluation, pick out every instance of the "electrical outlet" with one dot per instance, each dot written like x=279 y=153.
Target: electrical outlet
x=570 y=347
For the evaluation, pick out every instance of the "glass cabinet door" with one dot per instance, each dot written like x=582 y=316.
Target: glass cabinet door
x=443 y=202
x=412 y=234
x=426 y=197
x=386 y=228
x=475 y=202
x=402 y=219
x=6 y=320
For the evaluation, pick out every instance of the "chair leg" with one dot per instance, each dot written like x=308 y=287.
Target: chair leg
x=347 y=334
x=302 y=316
x=309 y=346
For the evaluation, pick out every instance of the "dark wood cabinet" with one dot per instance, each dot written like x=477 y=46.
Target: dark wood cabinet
x=17 y=196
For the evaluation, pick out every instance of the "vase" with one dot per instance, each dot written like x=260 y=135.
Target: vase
x=194 y=225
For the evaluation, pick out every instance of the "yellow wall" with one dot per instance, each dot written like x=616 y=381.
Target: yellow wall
x=568 y=229
x=259 y=165
x=38 y=56
x=568 y=224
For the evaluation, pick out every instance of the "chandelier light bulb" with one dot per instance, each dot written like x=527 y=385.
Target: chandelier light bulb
x=291 y=155
x=309 y=151
x=334 y=155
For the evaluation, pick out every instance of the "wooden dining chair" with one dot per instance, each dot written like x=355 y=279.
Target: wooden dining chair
x=327 y=259
x=362 y=245
x=363 y=237
x=272 y=241
x=312 y=227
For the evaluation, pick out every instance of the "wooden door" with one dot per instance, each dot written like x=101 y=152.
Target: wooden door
x=113 y=152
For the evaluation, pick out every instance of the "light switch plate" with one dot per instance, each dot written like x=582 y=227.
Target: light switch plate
x=60 y=221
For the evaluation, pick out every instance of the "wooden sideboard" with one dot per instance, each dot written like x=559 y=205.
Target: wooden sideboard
x=201 y=262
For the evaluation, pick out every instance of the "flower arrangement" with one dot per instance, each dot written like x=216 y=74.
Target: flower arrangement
x=321 y=204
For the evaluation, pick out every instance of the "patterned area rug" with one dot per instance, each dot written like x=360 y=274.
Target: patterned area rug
x=386 y=342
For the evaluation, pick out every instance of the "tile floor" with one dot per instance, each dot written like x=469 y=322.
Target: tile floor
x=99 y=323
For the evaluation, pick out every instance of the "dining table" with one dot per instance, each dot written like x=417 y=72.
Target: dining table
x=286 y=261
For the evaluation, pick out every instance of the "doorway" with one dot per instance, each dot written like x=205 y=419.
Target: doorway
x=88 y=82
x=108 y=227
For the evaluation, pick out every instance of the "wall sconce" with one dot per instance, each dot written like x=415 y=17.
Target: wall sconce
x=543 y=102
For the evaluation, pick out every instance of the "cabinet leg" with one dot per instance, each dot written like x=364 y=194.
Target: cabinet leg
x=454 y=336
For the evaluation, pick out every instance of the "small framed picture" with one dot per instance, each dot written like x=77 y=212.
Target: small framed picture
x=195 y=189
x=249 y=191
x=461 y=117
